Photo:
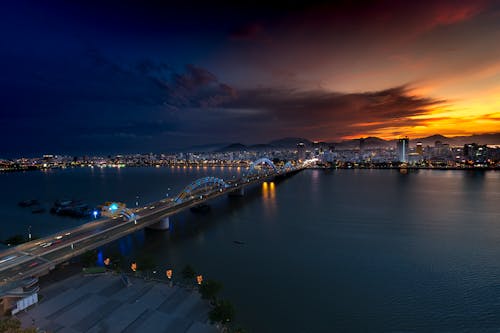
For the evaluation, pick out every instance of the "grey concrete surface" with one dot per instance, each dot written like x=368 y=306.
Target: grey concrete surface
x=104 y=304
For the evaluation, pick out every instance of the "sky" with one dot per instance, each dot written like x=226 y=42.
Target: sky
x=90 y=76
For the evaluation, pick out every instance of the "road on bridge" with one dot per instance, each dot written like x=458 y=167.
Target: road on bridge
x=38 y=257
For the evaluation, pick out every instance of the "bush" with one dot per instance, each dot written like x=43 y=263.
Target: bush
x=15 y=240
x=13 y=325
x=223 y=312
x=210 y=289
x=89 y=258
x=188 y=272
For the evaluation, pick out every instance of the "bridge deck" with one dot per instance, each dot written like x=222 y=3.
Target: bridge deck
x=40 y=256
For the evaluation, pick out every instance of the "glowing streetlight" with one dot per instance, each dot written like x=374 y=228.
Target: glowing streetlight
x=133 y=266
x=199 y=279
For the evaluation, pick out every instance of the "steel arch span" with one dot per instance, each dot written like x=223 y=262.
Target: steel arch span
x=206 y=183
x=262 y=161
x=288 y=166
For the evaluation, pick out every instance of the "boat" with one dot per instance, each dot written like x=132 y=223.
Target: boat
x=72 y=208
x=28 y=203
x=38 y=210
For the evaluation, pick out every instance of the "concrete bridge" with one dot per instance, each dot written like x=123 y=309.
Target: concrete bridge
x=38 y=257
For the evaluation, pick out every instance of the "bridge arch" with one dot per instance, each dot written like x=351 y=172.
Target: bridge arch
x=197 y=186
x=288 y=166
x=260 y=161
x=129 y=214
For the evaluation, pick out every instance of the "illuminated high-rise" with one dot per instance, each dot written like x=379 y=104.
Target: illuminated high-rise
x=402 y=149
x=301 y=151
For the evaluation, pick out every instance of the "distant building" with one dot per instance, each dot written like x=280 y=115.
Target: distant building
x=301 y=151
x=402 y=149
x=419 y=150
x=316 y=148
x=111 y=209
x=475 y=152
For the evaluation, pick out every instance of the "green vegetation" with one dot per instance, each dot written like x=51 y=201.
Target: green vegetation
x=116 y=262
x=17 y=240
x=188 y=272
x=210 y=289
x=146 y=264
x=94 y=270
x=237 y=330
x=89 y=258
x=13 y=325
x=222 y=312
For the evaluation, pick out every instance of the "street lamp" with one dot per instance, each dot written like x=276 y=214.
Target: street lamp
x=29 y=233
x=137 y=201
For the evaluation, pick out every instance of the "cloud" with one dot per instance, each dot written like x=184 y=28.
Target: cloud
x=324 y=114
x=196 y=87
x=204 y=105
x=249 y=32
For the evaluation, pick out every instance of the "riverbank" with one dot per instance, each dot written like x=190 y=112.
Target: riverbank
x=73 y=302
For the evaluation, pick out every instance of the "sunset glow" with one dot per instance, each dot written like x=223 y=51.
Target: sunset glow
x=162 y=76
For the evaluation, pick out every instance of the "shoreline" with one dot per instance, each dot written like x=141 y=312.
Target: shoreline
x=72 y=301
x=351 y=166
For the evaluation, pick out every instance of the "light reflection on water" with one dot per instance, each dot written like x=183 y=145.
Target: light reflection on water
x=340 y=250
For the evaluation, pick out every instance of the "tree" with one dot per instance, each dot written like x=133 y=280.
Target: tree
x=116 y=261
x=15 y=240
x=146 y=264
x=13 y=325
x=188 y=272
x=89 y=258
x=238 y=330
x=209 y=289
x=223 y=312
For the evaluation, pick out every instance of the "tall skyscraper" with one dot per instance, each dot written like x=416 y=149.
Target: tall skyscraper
x=420 y=149
x=402 y=148
x=301 y=151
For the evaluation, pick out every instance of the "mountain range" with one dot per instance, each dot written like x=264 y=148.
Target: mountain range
x=369 y=142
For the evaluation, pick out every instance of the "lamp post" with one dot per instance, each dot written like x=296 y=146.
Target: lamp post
x=137 y=200
x=29 y=232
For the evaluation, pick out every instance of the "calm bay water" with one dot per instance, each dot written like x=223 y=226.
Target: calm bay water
x=324 y=251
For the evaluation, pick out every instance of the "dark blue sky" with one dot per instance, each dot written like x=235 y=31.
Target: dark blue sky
x=123 y=76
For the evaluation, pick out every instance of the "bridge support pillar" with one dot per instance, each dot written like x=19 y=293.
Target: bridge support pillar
x=164 y=224
x=237 y=193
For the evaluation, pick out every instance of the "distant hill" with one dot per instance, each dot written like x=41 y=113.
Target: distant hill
x=369 y=143
x=205 y=148
x=289 y=142
x=374 y=142
x=261 y=146
x=486 y=139
x=233 y=147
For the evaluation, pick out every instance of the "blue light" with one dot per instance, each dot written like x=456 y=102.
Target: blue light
x=95 y=213
x=100 y=260
x=113 y=206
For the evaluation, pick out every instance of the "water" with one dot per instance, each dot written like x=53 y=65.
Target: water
x=345 y=250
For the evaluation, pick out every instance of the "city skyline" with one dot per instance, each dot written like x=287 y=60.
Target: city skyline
x=124 y=76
